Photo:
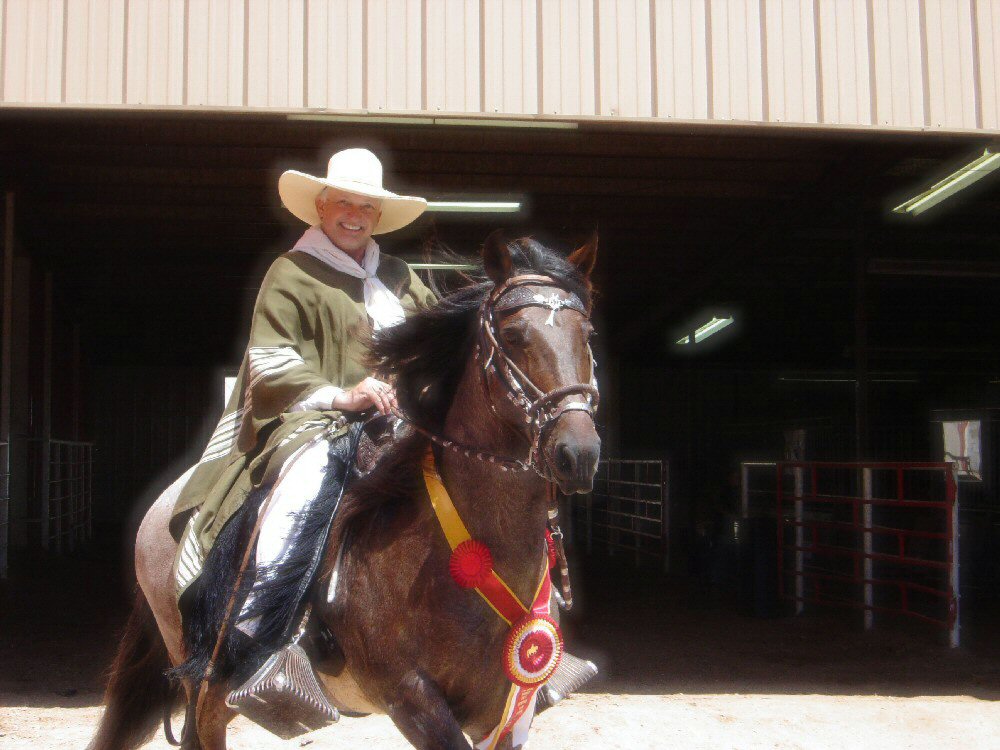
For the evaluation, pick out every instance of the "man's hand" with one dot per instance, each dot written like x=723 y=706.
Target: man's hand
x=369 y=392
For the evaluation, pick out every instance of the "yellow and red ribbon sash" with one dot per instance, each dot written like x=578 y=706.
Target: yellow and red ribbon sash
x=494 y=589
x=498 y=595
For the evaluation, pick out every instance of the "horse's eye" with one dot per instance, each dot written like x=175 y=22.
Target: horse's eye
x=514 y=336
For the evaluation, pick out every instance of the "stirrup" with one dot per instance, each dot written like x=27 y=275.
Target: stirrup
x=571 y=675
x=284 y=696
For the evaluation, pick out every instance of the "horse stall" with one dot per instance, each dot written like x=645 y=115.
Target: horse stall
x=789 y=540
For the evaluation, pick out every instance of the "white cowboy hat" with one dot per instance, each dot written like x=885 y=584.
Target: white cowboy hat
x=353 y=170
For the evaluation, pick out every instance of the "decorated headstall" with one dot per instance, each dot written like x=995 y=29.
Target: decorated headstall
x=540 y=408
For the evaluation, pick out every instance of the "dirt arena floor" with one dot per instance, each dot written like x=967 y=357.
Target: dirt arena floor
x=674 y=675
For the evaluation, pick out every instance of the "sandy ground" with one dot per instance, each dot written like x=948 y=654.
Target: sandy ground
x=673 y=675
x=817 y=722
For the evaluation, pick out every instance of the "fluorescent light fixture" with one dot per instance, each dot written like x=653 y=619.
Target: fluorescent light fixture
x=711 y=327
x=441 y=266
x=474 y=207
x=468 y=122
x=958 y=180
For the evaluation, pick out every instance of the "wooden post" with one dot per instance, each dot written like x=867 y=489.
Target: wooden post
x=6 y=364
x=861 y=446
x=634 y=520
x=800 y=581
x=866 y=520
x=89 y=489
x=46 y=489
x=744 y=491
x=954 y=635
x=665 y=512
x=76 y=393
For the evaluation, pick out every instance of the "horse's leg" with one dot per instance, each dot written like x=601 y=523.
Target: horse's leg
x=190 y=741
x=421 y=713
x=213 y=716
x=155 y=549
x=154 y=556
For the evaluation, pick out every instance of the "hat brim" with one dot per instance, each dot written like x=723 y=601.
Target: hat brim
x=298 y=193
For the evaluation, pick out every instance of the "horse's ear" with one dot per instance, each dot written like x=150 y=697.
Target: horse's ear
x=585 y=256
x=496 y=257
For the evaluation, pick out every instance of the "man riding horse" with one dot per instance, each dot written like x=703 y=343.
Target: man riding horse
x=428 y=596
x=303 y=373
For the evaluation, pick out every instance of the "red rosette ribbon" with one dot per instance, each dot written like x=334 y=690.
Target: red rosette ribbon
x=532 y=650
x=471 y=564
x=550 y=543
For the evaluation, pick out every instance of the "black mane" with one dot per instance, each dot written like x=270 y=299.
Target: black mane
x=427 y=353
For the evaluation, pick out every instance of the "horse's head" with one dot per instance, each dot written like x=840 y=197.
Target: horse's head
x=538 y=369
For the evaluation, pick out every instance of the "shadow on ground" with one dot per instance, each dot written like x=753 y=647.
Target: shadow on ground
x=647 y=631
x=656 y=634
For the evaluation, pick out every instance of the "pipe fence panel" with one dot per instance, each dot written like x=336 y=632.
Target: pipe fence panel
x=879 y=537
x=67 y=494
x=628 y=511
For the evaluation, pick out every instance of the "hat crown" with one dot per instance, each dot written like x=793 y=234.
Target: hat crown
x=355 y=165
x=354 y=170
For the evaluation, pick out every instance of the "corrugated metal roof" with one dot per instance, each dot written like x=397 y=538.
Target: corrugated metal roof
x=869 y=63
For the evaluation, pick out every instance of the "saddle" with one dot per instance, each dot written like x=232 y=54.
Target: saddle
x=377 y=435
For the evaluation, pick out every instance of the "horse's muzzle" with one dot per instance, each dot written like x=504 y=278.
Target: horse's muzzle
x=576 y=449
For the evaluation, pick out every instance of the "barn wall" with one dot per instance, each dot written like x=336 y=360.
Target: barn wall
x=868 y=63
x=150 y=425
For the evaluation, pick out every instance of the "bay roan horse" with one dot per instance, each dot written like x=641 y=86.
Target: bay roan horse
x=412 y=643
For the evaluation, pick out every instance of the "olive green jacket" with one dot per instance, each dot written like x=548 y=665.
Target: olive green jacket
x=308 y=331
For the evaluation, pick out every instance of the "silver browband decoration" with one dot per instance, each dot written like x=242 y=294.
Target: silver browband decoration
x=524 y=296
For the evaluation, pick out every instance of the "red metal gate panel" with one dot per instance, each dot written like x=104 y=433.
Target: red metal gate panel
x=880 y=537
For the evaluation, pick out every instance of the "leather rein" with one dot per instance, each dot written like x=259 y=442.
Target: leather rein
x=541 y=409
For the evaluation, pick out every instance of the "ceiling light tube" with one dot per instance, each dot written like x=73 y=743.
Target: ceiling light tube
x=711 y=327
x=958 y=180
x=474 y=207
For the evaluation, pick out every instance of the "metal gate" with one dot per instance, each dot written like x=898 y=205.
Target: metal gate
x=66 y=494
x=628 y=511
x=879 y=537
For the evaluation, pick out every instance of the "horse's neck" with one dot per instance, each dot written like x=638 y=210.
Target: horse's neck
x=506 y=510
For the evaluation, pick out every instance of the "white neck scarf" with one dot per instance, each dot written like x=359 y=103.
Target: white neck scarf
x=380 y=303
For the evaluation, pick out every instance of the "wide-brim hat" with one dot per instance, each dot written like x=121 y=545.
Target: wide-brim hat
x=353 y=170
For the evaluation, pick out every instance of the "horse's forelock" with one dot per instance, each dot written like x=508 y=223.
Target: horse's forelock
x=531 y=256
x=427 y=353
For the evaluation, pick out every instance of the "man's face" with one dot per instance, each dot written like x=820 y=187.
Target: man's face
x=348 y=219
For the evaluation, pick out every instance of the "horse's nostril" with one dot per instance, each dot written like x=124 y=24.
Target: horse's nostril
x=565 y=458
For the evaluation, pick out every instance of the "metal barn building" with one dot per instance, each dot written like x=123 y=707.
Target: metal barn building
x=739 y=159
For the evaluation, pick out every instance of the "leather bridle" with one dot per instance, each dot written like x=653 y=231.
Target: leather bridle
x=541 y=409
